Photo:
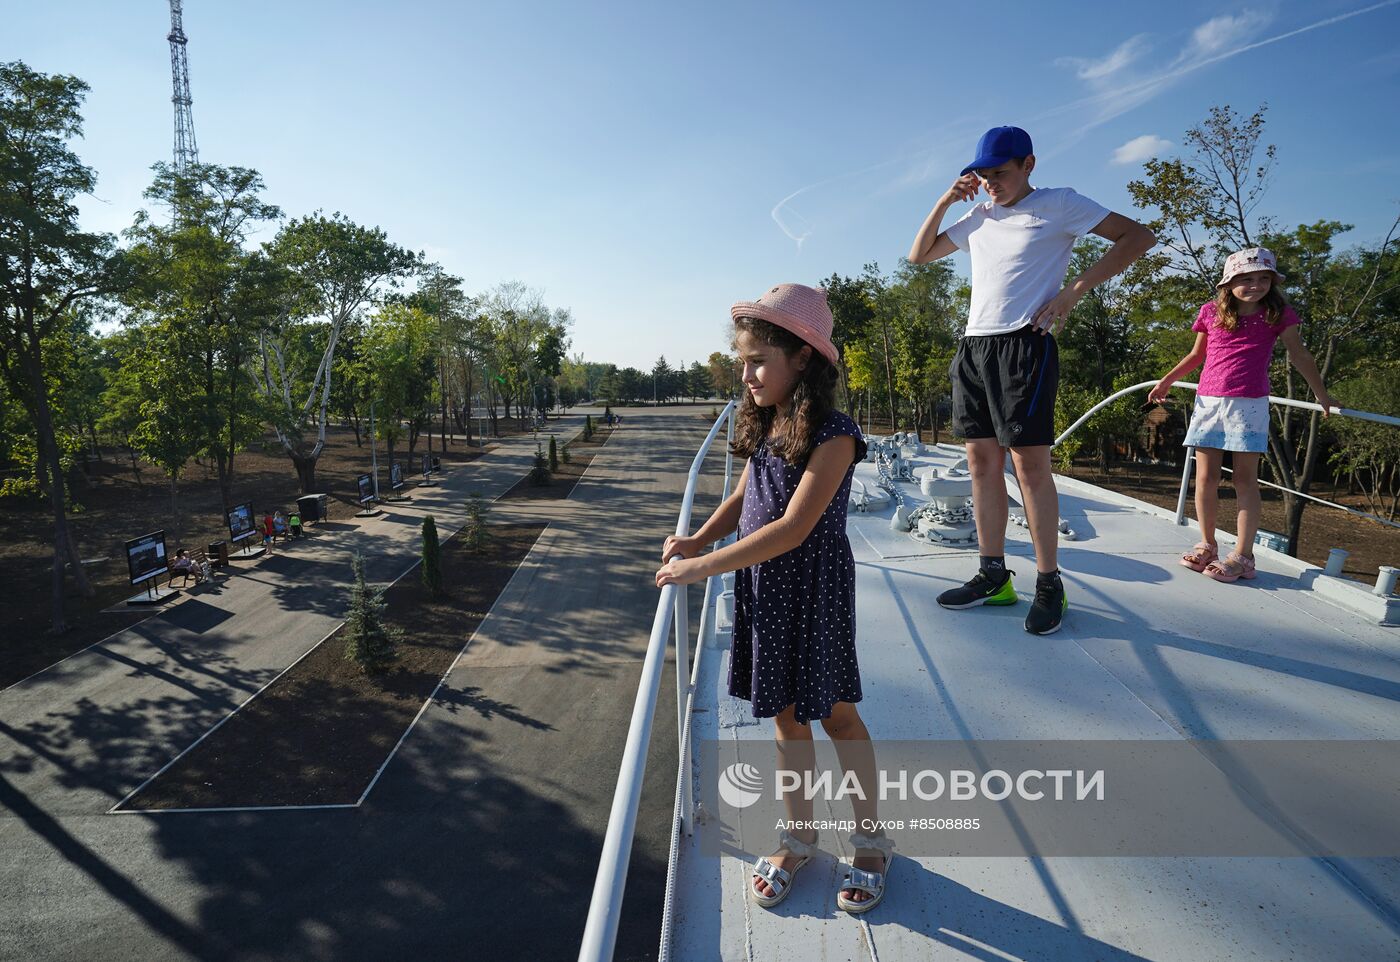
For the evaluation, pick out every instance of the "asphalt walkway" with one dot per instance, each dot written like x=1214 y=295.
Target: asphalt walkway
x=489 y=817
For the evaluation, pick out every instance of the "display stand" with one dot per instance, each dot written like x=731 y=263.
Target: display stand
x=153 y=595
x=369 y=493
x=430 y=464
x=248 y=551
x=396 y=484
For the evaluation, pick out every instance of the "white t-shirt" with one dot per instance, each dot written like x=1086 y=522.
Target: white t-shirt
x=1020 y=254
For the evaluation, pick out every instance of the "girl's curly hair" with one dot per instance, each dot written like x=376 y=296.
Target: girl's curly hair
x=813 y=398
x=1227 y=308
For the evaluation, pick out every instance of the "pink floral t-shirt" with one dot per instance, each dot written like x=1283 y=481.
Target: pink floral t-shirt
x=1237 y=362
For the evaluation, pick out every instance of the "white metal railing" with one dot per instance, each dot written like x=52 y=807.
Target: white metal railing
x=1186 y=461
x=600 y=932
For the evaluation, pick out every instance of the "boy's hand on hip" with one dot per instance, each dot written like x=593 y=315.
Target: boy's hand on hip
x=681 y=571
x=1053 y=313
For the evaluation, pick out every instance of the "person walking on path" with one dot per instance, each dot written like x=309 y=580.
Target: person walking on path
x=794 y=654
x=1235 y=337
x=1006 y=368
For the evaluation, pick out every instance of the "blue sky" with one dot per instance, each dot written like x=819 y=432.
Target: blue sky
x=647 y=164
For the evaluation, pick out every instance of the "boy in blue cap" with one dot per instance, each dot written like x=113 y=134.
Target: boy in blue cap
x=1006 y=368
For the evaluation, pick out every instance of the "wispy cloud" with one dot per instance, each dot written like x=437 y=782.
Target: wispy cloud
x=1224 y=32
x=1131 y=86
x=1217 y=40
x=1128 y=51
x=1141 y=148
x=1120 y=82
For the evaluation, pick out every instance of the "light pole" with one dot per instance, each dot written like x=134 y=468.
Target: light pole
x=373 y=451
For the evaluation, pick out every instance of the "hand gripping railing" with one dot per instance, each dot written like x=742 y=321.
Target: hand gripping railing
x=1186 y=462
x=600 y=932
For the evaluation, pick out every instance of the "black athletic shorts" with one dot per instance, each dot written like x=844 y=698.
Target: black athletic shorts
x=1004 y=387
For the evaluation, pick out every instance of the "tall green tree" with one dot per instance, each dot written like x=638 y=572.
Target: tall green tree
x=400 y=360
x=852 y=303
x=724 y=372
x=922 y=308
x=698 y=381
x=47 y=266
x=165 y=433
x=336 y=267
x=440 y=296
x=212 y=297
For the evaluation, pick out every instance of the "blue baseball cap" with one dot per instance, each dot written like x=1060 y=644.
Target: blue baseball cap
x=999 y=145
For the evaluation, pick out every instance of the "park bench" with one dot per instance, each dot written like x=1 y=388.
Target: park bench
x=201 y=564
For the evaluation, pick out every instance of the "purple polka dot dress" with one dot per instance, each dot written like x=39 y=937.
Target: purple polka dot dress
x=795 y=615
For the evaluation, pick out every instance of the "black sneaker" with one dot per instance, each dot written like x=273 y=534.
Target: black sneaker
x=1049 y=606
x=981 y=590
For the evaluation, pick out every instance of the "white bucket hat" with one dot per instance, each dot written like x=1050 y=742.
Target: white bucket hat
x=1248 y=260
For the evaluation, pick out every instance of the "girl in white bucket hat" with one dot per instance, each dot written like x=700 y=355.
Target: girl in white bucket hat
x=1235 y=335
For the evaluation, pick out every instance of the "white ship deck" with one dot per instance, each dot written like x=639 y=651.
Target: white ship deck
x=1149 y=650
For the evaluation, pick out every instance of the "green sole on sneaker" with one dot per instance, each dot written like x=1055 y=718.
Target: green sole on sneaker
x=1005 y=595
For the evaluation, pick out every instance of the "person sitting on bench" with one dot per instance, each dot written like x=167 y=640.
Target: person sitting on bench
x=294 y=522
x=185 y=567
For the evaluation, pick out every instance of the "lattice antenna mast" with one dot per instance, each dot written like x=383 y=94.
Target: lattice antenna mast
x=186 y=152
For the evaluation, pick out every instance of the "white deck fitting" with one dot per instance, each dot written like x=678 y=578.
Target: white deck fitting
x=1149 y=650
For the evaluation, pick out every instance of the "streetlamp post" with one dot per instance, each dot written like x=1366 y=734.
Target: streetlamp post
x=373 y=451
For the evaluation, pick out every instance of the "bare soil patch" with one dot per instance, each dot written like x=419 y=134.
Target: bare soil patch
x=319 y=733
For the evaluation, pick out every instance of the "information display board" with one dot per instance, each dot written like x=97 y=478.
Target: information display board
x=366 y=488
x=145 y=557
x=395 y=476
x=241 y=523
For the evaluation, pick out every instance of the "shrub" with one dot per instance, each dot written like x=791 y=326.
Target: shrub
x=553 y=455
x=564 y=454
x=539 y=474
x=474 y=532
x=370 y=641
x=432 y=558
x=588 y=427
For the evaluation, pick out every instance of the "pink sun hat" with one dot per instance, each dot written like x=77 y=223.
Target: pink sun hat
x=1248 y=260
x=797 y=308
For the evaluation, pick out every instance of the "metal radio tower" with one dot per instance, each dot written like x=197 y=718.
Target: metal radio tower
x=186 y=152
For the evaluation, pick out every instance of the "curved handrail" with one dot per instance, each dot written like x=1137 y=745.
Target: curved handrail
x=605 y=908
x=1287 y=402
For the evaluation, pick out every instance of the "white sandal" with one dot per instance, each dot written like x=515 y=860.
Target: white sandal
x=780 y=880
x=872 y=883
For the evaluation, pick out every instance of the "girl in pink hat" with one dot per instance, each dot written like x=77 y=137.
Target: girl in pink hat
x=1235 y=335
x=794 y=654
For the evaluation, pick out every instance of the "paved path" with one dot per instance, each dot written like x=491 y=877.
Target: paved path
x=487 y=821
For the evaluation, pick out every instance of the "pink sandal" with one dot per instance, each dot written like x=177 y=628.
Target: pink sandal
x=1199 y=557
x=1231 y=568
